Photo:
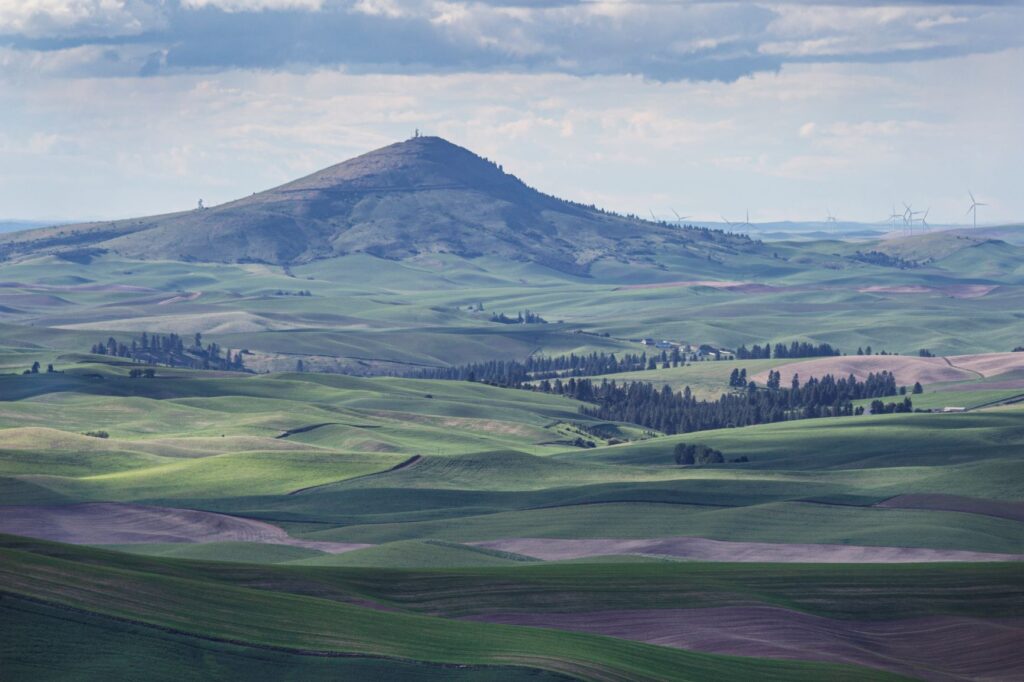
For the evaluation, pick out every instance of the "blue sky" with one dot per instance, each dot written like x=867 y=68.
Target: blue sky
x=113 y=108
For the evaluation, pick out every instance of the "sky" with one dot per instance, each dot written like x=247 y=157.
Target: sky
x=789 y=110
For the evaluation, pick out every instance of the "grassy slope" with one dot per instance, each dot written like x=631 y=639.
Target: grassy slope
x=854 y=592
x=94 y=647
x=479 y=464
x=264 y=618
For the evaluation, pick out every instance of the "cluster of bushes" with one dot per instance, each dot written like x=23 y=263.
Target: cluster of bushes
x=879 y=407
x=147 y=373
x=884 y=260
x=697 y=454
x=97 y=434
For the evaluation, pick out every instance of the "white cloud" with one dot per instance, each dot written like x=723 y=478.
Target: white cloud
x=254 y=5
x=857 y=136
x=78 y=17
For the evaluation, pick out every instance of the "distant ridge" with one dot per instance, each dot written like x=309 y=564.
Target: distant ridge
x=423 y=195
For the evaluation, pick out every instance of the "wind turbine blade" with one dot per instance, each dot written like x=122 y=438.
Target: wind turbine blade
x=973 y=201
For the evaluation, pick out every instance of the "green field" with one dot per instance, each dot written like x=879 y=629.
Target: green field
x=321 y=524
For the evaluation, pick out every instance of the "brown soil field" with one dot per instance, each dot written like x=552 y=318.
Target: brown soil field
x=907 y=369
x=111 y=523
x=989 y=364
x=953 y=290
x=738 y=287
x=937 y=648
x=702 y=549
x=956 y=503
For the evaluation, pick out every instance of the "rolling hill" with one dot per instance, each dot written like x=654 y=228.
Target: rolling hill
x=424 y=195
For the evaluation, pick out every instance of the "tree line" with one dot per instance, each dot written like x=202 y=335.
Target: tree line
x=525 y=317
x=795 y=349
x=172 y=351
x=513 y=373
x=680 y=412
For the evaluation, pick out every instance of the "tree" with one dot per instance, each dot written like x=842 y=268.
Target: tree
x=918 y=388
x=35 y=367
x=49 y=369
x=299 y=366
x=684 y=454
x=697 y=454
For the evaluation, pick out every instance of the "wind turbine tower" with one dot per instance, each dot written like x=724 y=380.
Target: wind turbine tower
x=973 y=210
x=680 y=218
x=894 y=217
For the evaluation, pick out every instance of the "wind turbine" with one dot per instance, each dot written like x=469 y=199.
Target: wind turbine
x=745 y=223
x=894 y=217
x=653 y=217
x=974 y=208
x=908 y=217
x=831 y=219
x=680 y=218
x=924 y=220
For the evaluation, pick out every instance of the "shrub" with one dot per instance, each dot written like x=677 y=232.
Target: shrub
x=97 y=434
x=697 y=454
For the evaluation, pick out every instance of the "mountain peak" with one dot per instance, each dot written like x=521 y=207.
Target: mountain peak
x=422 y=195
x=414 y=164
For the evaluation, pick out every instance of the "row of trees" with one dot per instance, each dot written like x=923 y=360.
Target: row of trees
x=171 y=350
x=795 y=349
x=514 y=373
x=670 y=412
x=525 y=317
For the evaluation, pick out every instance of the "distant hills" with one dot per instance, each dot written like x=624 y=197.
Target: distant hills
x=423 y=195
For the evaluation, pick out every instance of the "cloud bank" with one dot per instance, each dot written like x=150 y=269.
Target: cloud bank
x=662 y=41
